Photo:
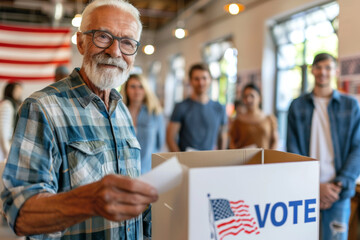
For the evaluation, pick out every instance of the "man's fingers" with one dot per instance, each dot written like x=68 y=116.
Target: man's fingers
x=119 y=198
x=329 y=192
x=115 y=195
x=123 y=183
x=336 y=188
x=119 y=212
x=120 y=209
x=331 y=197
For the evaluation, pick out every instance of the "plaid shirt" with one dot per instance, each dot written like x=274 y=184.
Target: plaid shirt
x=65 y=138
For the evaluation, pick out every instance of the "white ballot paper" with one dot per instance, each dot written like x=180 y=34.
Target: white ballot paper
x=165 y=176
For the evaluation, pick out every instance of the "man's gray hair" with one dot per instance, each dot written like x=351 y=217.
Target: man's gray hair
x=121 y=4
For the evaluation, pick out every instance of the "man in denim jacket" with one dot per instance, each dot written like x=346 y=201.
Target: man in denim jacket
x=325 y=125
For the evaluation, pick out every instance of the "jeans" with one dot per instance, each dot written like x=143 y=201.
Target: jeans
x=334 y=222
x=146 y=215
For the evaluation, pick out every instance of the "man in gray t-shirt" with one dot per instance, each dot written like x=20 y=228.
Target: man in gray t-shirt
x=197 y=122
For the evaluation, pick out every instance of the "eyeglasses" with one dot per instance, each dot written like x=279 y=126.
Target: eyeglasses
x=103 y=39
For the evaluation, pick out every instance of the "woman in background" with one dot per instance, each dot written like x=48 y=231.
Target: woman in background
x=253 y=128
x=8 y=109
x=146 y=112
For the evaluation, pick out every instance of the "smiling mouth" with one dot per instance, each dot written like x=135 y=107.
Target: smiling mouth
x=110 y=66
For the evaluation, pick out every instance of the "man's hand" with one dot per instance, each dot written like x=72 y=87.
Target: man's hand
x=329 y=193
x=114 y=197
x=118 y=198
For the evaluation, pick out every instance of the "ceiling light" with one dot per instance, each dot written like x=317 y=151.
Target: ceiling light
x=74 y=39
x=76 y=22
x=234 y=8
x=58 y=11
x=149 y=49
x=180 y=33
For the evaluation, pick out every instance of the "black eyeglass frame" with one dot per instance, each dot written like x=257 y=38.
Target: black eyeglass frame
x=113 y=38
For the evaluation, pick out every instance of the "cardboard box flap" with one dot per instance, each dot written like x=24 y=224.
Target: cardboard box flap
x=273 y=156
x=208 y=158
x=229 y=157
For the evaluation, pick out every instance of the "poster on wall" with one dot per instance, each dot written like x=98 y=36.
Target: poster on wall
x=350 y=78
x=349 y=81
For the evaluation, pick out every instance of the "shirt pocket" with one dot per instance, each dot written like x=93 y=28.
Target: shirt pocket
x=131 y=157
x=86 y=159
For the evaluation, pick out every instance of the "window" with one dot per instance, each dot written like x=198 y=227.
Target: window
x=154 y=72
x=174 y=85
x=222 y=60
x=298 y=39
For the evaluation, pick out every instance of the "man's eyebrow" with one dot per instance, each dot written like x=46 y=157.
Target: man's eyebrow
x=125 y=35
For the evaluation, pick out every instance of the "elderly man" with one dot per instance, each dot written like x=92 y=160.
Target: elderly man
x=74 y=154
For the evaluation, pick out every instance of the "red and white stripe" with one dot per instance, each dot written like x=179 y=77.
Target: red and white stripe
x=32 y=53
x=242 y=222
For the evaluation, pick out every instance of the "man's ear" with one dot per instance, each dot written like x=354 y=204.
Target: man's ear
x=80 y=43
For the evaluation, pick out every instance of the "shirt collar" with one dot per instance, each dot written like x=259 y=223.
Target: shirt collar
x=83 y=93
x=335 y=96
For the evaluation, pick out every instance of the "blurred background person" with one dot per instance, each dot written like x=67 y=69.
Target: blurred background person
x=325 y=124
x=198 y=123
x=146 y=112
x=253 y=128
x=8 y=109
x=239 y=108
x=61 y=72
x=148 y=120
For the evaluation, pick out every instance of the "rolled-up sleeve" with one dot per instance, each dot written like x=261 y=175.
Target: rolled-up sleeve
x=30 y=168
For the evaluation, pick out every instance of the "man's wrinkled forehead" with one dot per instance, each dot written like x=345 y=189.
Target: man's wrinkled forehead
x=108 y=16
x=129 y=10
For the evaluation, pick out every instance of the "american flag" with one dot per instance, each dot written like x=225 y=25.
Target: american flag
x=32 y=53
x=232 y=218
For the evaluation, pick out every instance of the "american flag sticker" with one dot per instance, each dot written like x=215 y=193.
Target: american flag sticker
x=230 y=218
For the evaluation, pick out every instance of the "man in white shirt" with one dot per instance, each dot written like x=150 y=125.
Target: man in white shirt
x=325 y=125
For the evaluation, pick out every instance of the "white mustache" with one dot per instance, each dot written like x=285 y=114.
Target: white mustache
x=118 y=62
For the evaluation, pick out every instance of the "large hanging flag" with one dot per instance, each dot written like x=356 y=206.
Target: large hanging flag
x=32 y=53
x=231 y=218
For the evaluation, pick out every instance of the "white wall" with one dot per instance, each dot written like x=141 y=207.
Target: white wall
x=349 y=31
x=250 y=36
x=249 y=32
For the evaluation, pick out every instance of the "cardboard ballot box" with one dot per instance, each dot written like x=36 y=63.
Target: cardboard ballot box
x=239 y=194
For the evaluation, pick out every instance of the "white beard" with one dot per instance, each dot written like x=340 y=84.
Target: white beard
x=105 y=78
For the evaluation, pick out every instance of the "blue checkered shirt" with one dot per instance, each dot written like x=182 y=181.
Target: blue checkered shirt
x=64 y=138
